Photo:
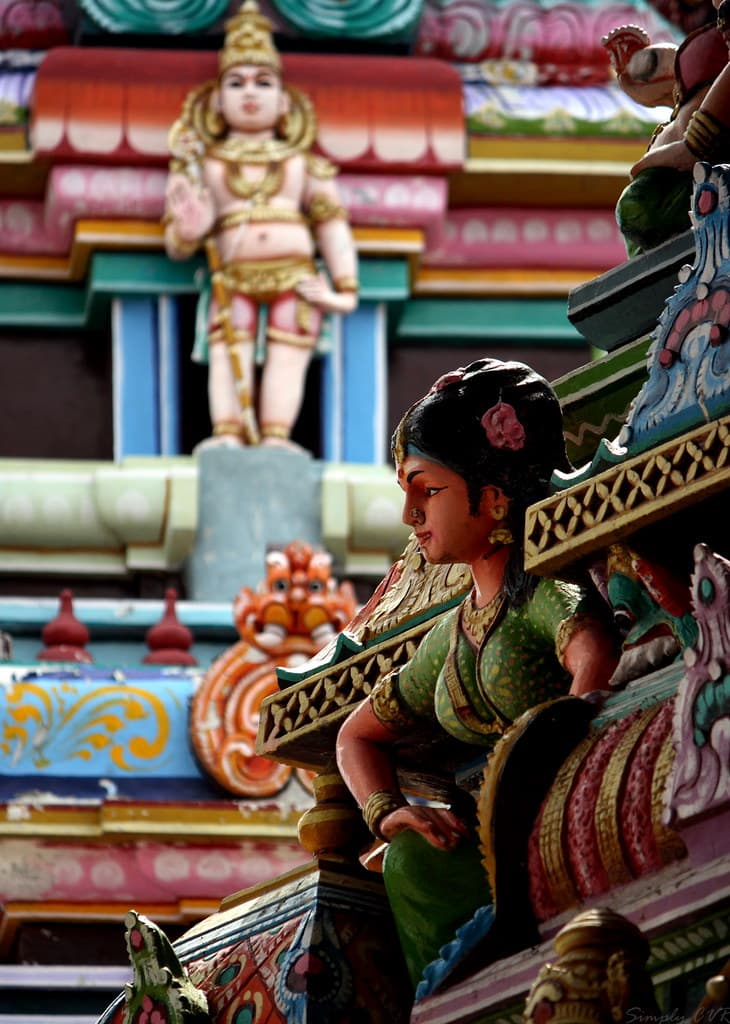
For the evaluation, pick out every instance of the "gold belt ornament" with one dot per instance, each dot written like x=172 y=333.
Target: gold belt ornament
x=270 y=214
x=264 y=280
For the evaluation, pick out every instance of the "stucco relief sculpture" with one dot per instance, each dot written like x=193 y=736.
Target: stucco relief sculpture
x=245 y=183
x=470 y=456
x=296 y=610
x=694 y=80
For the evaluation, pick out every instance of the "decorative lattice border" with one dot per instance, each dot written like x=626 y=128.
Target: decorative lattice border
x=320 y=702
x=636 y=493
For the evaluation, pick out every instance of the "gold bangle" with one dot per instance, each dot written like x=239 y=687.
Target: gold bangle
x=346 y=284
x=706 y=137
x=379 y=805
x=187 y=248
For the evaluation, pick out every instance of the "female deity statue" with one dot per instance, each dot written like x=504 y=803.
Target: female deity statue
x=243 y=180
x=471 y=456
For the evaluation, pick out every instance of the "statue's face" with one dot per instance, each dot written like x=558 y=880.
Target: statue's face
x=436 y=508
x=252 y=98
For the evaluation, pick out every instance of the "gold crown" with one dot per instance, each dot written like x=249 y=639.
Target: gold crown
x=248 y=41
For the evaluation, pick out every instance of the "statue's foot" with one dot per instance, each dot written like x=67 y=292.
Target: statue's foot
x=219 y=441
x=282 y=442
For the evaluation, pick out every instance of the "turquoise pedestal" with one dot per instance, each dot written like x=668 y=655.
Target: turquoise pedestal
x=249 y=499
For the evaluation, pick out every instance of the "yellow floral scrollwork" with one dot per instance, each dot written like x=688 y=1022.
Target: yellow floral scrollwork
x=47 y=724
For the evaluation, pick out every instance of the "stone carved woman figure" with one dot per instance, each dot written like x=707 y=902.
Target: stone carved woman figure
x=471 y=456
x=244 y=181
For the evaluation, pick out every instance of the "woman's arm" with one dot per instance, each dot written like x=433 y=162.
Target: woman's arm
x=707 y=136
x=590 y=656
x=365 y=760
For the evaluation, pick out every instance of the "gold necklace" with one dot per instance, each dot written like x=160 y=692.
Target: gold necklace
x=259 y=189
x=478 y=621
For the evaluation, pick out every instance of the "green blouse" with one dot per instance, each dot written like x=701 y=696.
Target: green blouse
x=474 y=696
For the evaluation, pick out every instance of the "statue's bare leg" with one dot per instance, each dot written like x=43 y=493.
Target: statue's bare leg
x=223 y=393
x=291 y=336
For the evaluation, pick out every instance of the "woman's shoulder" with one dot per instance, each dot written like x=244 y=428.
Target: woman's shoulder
x=549 y=588
x=441 y=630
x=433 y=648
x=551 y=601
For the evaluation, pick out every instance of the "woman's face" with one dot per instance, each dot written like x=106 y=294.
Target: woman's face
x=436 y=508
x=252 y=98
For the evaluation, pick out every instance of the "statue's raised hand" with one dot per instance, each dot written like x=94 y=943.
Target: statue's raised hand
x=190 y=208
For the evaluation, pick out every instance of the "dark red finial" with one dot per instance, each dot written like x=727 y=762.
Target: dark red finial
x=64 y=637
x=169 y=641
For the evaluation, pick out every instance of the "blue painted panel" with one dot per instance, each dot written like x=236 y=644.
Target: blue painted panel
x=169 y=370
x=331 y=395
x=363 y=392
x=86 y=722
x=136 y=377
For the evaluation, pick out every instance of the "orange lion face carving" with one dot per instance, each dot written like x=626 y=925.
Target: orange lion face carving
x=298 y=598
x=291 y=615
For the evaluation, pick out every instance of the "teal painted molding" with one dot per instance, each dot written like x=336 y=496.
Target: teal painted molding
x=537 y=321
x=161 y=17
x=118 y=628
x=352 y=19
x=384 y=280
x=628 y=360
x=111 y=274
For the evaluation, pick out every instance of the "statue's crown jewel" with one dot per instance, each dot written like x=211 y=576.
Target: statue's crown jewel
x=248 y=40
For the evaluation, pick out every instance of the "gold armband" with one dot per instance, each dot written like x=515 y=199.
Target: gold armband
x=323 y=208
x=379 y=805
x=388 y=705
x=706 y=137
x=320 y=167
x=346 y=284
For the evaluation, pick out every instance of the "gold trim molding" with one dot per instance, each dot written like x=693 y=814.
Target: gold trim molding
x=292 y=718
x=644 y=489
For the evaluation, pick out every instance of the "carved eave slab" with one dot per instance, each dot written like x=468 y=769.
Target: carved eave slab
x=299 y=724
x=634 y=494
x=626 y=302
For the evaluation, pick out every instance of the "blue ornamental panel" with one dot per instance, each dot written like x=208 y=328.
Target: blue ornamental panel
x=352 y=19
x=154 y=16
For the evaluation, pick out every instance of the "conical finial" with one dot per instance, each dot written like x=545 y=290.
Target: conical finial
x=65 y=638
x=169 y=641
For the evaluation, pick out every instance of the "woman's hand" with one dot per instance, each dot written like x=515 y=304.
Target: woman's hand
x=673 y=154
x=441 y=827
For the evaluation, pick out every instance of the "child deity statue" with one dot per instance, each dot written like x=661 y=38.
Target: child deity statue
x=245 y=183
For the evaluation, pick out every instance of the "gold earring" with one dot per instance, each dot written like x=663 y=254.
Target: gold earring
x=502 y=535
x=499 y=512
x=214 y=123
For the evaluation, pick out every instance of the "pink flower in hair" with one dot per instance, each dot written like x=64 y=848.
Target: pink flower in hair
x=502 y=427
x=448 y=378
